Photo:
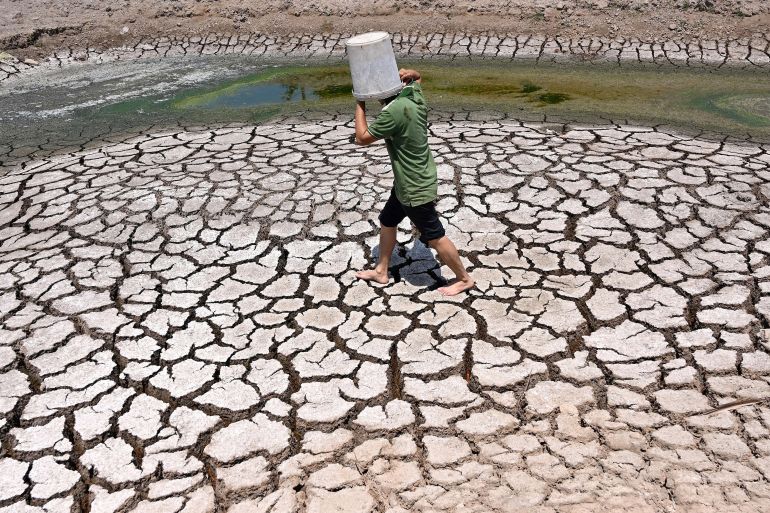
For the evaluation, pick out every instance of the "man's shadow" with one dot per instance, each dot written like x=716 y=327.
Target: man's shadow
x=416 y=265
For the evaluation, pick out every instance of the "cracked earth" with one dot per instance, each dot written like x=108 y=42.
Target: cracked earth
x=737 y=53
x=180 y=329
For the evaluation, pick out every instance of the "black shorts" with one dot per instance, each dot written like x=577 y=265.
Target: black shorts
x=424 y=217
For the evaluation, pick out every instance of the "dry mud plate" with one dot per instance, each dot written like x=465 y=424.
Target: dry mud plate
x=181 y=330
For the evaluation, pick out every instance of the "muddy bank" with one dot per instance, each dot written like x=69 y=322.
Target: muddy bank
x=35 y=28
x=747 y=52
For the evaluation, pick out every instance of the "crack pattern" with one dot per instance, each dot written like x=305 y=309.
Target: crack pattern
x=745 y=52
x=180 y=328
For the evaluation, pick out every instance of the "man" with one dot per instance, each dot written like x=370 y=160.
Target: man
x=403 y=123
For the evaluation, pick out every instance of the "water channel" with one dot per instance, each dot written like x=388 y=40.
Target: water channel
x=83 y=102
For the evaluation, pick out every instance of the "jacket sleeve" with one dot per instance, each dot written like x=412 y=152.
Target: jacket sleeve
x=384 y=126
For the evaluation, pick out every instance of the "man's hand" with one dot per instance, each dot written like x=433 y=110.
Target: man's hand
x=408 y=76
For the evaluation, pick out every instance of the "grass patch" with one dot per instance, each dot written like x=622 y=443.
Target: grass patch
x=528 y=87
x=553 y=98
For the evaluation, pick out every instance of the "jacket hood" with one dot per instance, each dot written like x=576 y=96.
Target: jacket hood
x=409 y=90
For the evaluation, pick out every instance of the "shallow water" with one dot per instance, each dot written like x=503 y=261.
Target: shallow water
x=87 y=101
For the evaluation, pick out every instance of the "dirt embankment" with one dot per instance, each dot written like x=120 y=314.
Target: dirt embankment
x=34 y=28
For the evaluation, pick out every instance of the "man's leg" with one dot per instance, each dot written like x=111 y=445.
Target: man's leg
x=447 y=252
x=387 y=243
x=392 y=214
x=432 y=234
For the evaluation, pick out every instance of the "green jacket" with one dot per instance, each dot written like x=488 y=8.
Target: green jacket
x=403 y=123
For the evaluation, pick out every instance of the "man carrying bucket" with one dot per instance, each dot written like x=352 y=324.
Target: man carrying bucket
x=403 y=123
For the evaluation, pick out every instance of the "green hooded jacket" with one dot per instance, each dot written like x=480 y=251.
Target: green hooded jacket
x=403 y=123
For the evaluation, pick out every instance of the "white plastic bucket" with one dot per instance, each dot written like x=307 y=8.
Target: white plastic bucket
x=373 y=66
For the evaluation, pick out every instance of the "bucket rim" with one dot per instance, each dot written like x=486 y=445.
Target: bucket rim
x=381 y=35
x=381 y=95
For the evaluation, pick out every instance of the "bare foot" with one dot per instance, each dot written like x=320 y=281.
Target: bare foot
x=373 y=275
x=457 y=287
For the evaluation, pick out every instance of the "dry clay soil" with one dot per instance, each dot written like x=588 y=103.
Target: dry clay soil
x=34 y=28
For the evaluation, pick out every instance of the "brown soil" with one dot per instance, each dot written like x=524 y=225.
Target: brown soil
x=35 y=28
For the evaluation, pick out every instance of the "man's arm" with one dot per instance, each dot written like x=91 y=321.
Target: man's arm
x=363 y=137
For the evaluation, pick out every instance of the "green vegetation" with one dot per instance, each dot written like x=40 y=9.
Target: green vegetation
x=529 y=87
x=728 y=101
x=553 y=98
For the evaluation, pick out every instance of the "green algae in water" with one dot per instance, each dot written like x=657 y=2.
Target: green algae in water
x=273 y=86
x=335 y=91
x=553 y=98
x=482 y=90
x=726 y=101
x=749 y=110
x=598 y=93
x=529 y=87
